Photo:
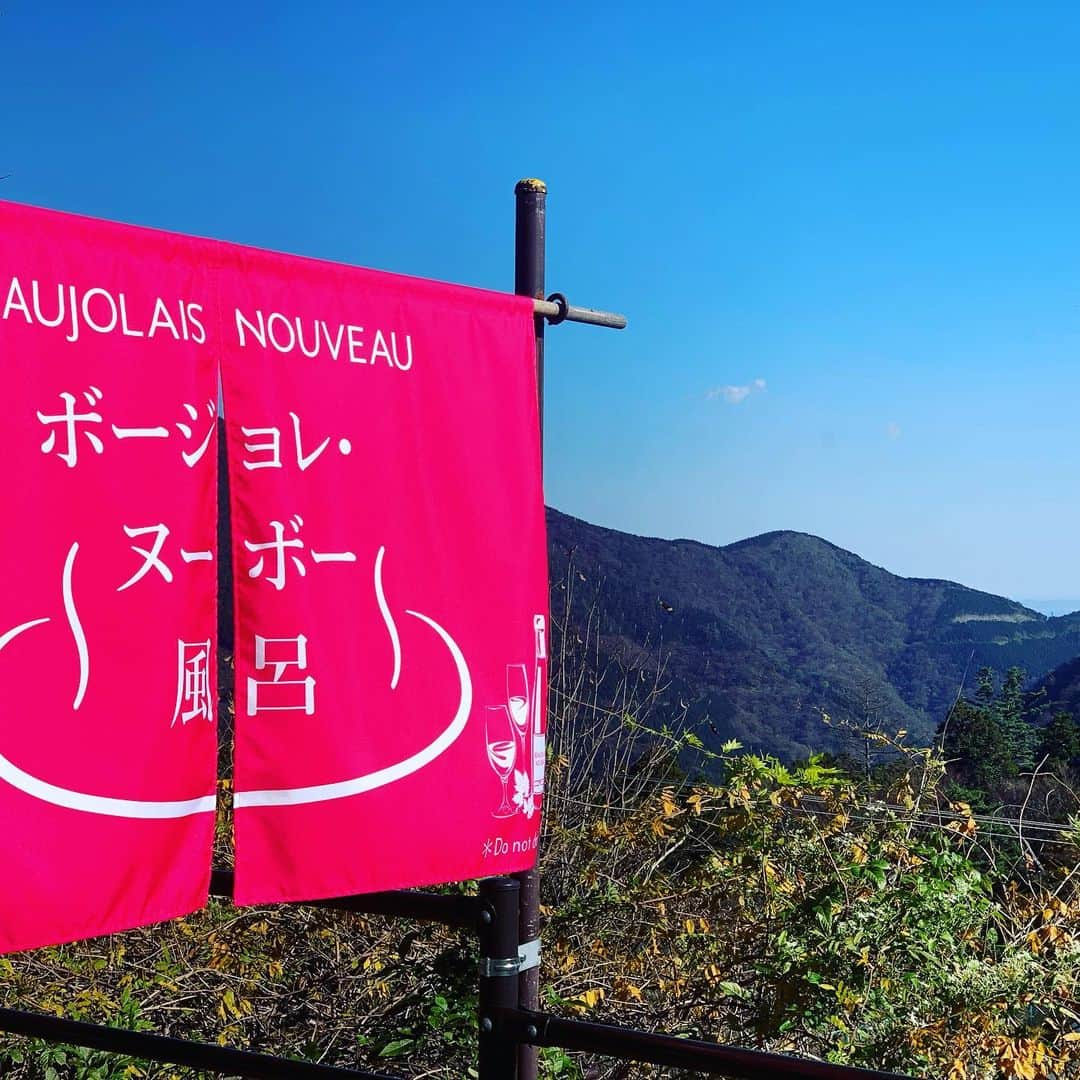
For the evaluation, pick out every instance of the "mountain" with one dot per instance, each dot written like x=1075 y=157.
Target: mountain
x=762 y=635
x=1062 y=687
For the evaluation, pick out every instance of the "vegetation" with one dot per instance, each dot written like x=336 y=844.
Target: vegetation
x=862 y=911
x=1005 y=758
x=785 y=907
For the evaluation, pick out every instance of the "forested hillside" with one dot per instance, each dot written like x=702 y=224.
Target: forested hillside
x=763 y=635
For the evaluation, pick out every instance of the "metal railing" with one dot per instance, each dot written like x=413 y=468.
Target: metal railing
x=503 y=1026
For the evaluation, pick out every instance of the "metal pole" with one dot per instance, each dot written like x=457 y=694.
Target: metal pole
x=530 y=205
x=206 y=1058
x=695 y=1054
x=450 y=909
x=529 y=249
x=498 y=976
x=556 y=309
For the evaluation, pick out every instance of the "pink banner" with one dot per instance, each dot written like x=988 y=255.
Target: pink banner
x=108 y=566
x=391 y=578
x=389 y=562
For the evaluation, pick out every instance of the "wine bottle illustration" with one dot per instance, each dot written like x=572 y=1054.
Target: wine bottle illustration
x=539 y=696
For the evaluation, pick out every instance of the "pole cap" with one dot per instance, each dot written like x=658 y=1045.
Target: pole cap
x=530 y=184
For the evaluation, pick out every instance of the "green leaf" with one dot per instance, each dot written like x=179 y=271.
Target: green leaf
x=396 y=1047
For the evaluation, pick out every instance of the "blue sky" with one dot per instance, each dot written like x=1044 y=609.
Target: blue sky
x=846 y=235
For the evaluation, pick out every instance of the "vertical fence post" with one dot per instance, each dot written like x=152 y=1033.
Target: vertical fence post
x=498 y=976
x=530 y=198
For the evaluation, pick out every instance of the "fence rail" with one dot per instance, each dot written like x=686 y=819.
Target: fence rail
x=450 y=909
x=169 y=1051
x=738 y=1063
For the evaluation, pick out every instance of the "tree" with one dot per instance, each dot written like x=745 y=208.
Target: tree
x=1013 y=710
x=1060 y=739
x=990 y=737
x=985 y=686
x=975 y=747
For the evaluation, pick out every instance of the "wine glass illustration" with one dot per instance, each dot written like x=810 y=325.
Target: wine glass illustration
x=517 y=698
x=501 y=750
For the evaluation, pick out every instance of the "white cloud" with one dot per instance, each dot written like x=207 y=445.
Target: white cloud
x=733 y=395
x=892 y=429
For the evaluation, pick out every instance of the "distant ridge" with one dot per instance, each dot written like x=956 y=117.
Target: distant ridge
x=764 y=634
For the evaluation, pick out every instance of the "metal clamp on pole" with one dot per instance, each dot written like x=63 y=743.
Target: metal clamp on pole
x=562 y=304
x=498 y=977
x=529 y=954
x=492 y=968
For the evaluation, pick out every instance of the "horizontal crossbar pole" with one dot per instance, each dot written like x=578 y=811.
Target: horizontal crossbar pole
x=542 y=1029
x=448 y=909
x=169 y=1051
x=553 y=310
